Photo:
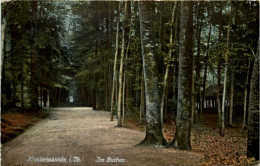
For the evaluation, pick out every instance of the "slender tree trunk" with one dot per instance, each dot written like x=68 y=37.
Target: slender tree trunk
x=4 y=40
x=153 y=122
x=199 y=24
x=142 y=98
x=123 y=100
x=115 y=62
x=3 y=32
x=205 y=73
x=175 y=69
x=245 y=95
x=119 y=111
x=108 y=86
x=231 y=99
x=183 y=119
x=168 y=65
x=222 y=129
x=126 y=55
x=253 y=125
x=219 y=72
x=192 y=91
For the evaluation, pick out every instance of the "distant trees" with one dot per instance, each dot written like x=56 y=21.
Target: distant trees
x=30 y=51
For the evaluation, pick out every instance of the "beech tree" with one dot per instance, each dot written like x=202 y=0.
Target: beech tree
x=153 y=122
x=253 y=126
x=115 y=62
x=183 y=119
x=119 y=111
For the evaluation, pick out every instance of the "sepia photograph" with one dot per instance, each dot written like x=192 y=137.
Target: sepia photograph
x=129 y=83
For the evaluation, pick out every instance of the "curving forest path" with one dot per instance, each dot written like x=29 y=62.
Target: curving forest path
x=79 y=136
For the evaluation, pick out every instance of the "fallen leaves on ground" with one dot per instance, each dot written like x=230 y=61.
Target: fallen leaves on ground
x=134 y=124
x=205 y=138
x=15 y=122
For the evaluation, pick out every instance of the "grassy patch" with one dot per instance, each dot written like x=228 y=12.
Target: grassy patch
x=14 y=122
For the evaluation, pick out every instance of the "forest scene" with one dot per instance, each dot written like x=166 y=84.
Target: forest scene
x=130 y=83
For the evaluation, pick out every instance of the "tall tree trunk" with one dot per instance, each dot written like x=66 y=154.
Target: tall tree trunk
x=219 y=71
x=3 y=33
x=183 y=119
x=231 y=99
x=199 y=24
x=245 y=95
x=108 y=86
x=222 y=128
x=142 y=99
x=115 y=62
x=192 y=91
x=119 y=111
x=123 y=100
x=153 y=122
x=205 y=73
x=108 y=81
x=253 y=125
x=168 y=65
x=126 y=55
x=175 y=69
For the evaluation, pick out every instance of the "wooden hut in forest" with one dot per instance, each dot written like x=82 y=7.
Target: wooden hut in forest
x=210 y=102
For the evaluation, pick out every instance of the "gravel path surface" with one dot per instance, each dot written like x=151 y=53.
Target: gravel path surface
x=81 y=136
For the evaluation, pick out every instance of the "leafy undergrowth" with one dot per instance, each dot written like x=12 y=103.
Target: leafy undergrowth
x=134 y=124
x=228 y=150
x=15 y=122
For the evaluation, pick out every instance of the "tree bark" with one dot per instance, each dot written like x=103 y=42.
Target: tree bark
x=115 y=62
x=231 y=99
x=3 y=32
x=126 y=55
x=205 y=73
x=192 y=91
x=222 y=128
x=183 y=119
x=199 y=24
x=219 y=72
x=245 y=95
x=142 y=98
x=119 y=111
x=154 y=134
x=253 y=125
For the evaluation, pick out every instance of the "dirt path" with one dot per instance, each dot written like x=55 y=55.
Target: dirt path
x=81 y=135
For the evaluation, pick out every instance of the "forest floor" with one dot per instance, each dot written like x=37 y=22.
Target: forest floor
x=205 y=139
x=14 y=122
x=81 y=136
